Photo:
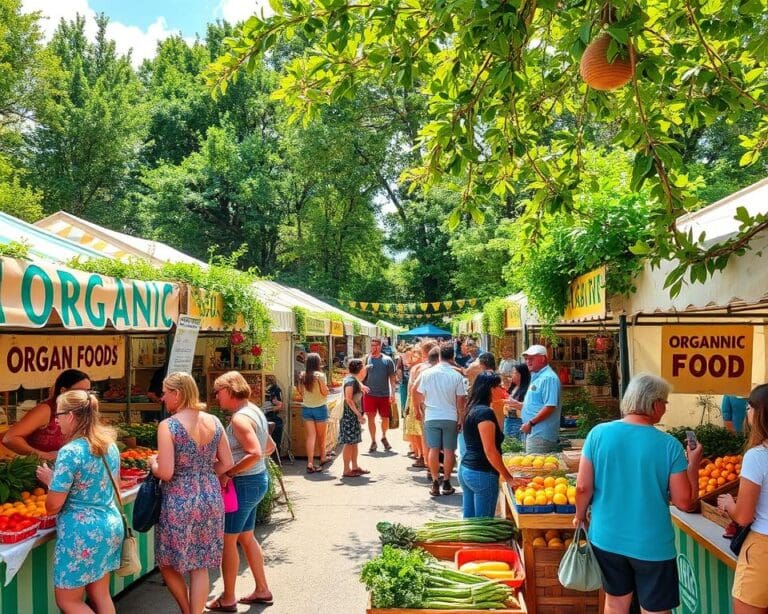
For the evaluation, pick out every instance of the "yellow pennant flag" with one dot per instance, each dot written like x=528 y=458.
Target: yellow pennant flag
x=363 y=305
x=436 y=305
x=375 y=307
x=352 y=304
x=424 y=306
x=447 y=305
x=386 y=307
x=460 y=303
x=472 y=302
x=401 y=307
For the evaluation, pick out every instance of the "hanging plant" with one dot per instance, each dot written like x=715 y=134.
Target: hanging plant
x=356 y=328
x=603 y=71
x=14 y=249
x=300 y=315
x=494 y=312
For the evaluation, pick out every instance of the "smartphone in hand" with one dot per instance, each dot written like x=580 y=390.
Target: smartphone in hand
x=690 y=437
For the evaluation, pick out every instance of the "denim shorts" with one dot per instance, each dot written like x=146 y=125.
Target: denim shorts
x=250 y=491
x=441 y=434
x=315 y=414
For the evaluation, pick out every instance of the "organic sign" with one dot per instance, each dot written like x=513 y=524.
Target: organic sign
x=707 y=359
x=34 y=361
x=31 y=292
x=586 y=296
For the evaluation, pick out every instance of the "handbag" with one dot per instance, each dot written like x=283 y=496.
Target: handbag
x=737 y=541
x=130 y=564
x=229 y=495
x=394 y=416
x=146 y=508
x=579 y=569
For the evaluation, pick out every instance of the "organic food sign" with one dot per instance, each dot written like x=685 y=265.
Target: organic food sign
x=31 y=292
x=34 y=361
x=586 y=296
x=710 y=359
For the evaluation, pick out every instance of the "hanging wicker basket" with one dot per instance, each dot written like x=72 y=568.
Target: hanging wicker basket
x=601 y=74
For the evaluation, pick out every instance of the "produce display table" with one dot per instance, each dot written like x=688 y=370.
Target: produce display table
x=705 y=565
x=543 y=592
x=521 y=610
x=31 y=589
x=335 y=409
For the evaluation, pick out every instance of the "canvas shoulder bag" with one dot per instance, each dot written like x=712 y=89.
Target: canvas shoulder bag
x=579 y=570
x=130 y=564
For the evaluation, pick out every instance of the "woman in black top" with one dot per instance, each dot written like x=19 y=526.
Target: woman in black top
x=481 y=463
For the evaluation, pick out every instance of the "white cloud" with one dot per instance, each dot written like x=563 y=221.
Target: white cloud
x=142 y=43
x=238 y=10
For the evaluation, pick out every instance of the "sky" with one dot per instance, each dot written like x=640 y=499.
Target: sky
x=138 y=25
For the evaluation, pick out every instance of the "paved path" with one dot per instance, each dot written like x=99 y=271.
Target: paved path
x=313 y=561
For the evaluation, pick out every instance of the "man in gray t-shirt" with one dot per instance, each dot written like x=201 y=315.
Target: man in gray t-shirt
x=380 y=380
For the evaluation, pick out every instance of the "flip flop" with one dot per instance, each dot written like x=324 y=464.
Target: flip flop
x=360 y=471
x=217 y=606
x=350 y=475
x=250 y=600
x=312 y=469
x=325 y=461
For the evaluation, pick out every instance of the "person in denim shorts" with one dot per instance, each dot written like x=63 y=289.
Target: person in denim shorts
x=251 y=445
x=441 y=389
x=314 y=390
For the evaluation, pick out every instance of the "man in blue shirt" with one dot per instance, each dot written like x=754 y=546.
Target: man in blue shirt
x=734 y=410
x=541 y=407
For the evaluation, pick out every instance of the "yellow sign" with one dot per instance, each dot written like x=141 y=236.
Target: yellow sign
x=707 y=359
x=512 y=317
x=208 y=306
x=35 y=361
x=337 y=329
x=586 y=296
x=31 y=292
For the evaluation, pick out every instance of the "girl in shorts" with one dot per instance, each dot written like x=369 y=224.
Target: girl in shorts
x=314 y=390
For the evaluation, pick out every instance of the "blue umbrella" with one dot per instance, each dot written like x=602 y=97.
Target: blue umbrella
x=426 y=330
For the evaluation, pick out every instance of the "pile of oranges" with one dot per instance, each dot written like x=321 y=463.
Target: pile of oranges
x=546 y=491
x=32 y=505
x=721 y=471
x=553 y=539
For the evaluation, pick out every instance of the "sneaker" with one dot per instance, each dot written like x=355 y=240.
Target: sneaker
x=373 y=447
x=447 y=488
x=435 y=489
x=385 y=443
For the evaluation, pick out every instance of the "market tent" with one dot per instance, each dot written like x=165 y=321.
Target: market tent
x=42 y=244
x=426 y=330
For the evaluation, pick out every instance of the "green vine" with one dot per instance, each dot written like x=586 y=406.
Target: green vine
x=300 y=314
x=235 y=287
x=493 y=316
x=459 y=319
x=356 y=328
x=14 y=249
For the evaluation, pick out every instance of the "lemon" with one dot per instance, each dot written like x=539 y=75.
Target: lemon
x=529 y=500
x=561 y=489
x=559 y=499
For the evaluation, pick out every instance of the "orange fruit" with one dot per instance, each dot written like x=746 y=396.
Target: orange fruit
x=555 y=543
x=38 y=491
x=549 y=481
x=559 y=499
x=539 y=542
x=732 y=477
x=718 y=462
x=720 y=481
x=529 y=500
x=539 y=480
x=551 y=534
x=729 y=467
x=702 y=493
x=715 y=474
x=710 y=488
x=712 y=482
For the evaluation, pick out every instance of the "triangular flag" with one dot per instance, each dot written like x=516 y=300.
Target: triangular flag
x=353 y=304
x=460 y=303
x=447 y=304
x=375 y=307
x=386 y=307
x=424 y=306
x=436 y=305
x=401 y=307
x=363 y=305
x=472 y=302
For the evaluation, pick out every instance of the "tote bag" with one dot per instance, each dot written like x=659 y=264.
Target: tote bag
x=394 y=416
x=130 y=563
x=146 y=508
x=578 y=569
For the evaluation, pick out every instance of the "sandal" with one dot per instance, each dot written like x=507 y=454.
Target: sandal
x=217 y=606
x=312 y=469
x=448 y=489
x=435 y=489
x=360 y=471
x=385 y=443
x=419 y=464
x=351 y=474
x=263 y=600
x=326 y=460
x=373 y=447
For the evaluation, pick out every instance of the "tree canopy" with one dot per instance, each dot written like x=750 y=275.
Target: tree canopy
x=507 y=110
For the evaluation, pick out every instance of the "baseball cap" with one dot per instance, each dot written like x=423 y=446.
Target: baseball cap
x=535 y=350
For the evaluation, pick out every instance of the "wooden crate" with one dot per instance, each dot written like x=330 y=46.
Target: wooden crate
x=521 y=610
x=711 y=512
x=551 y=597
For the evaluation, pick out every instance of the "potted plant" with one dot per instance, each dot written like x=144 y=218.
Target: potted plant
x=598 y=380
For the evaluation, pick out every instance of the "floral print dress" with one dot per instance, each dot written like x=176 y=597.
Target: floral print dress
x=89 y=527
x=190 y=532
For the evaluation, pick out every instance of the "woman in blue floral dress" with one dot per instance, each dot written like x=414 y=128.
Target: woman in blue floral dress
x=191 y=455
x=89 y=527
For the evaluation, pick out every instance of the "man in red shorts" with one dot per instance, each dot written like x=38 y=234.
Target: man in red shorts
x=380 y=379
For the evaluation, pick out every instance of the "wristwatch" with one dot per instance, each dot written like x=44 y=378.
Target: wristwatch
x=531 y=422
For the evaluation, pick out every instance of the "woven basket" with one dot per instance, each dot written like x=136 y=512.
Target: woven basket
x=571 y=459
x=711 y=512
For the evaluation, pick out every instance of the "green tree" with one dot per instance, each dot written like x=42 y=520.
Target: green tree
x=502 y=75
x=83 y=150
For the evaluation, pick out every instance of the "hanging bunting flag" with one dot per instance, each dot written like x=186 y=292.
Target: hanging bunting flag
x=435 y=306
x=424 y=306
x=387 y=307
x=353 y=304
x=472 y=302
x=447 y=304
x=375 y=307
x=400 y=307
x=460 y=303
x=363 y=305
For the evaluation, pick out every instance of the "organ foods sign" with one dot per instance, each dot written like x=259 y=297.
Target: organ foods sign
x=707 y=359
x=30 y=293
x=34 y=361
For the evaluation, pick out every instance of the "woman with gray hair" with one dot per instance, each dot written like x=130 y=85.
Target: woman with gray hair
x=629 y=471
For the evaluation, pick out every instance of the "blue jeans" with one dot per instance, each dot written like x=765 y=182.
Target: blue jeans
x=250 y=491
x=512 y=427
x=480 y=490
